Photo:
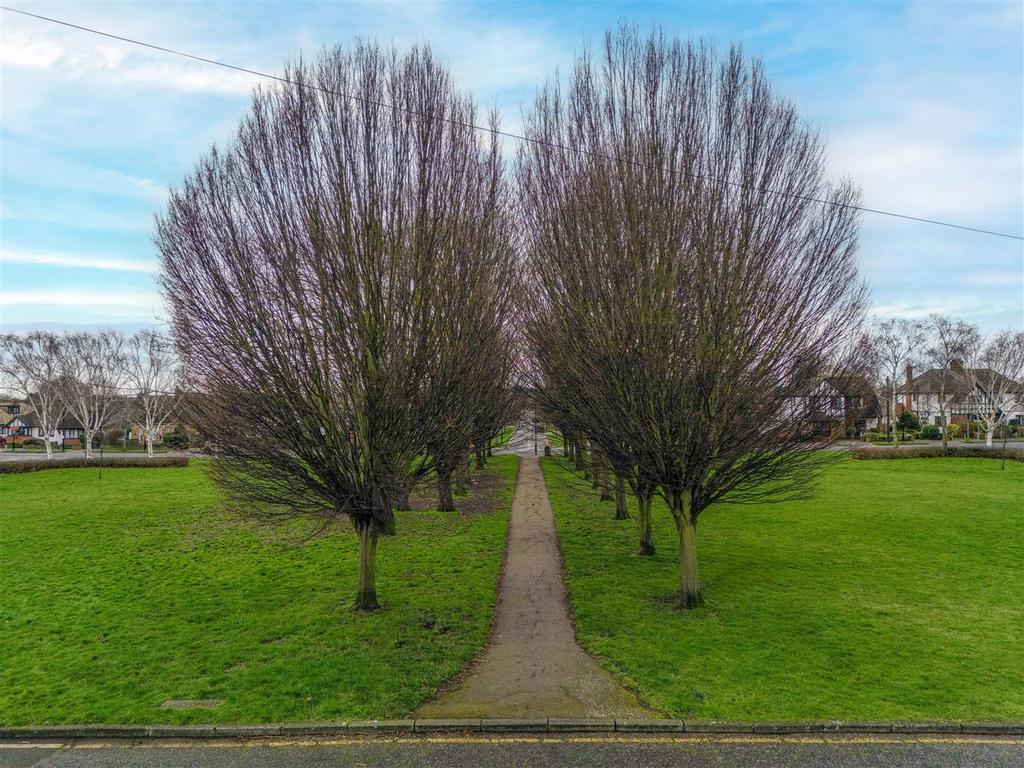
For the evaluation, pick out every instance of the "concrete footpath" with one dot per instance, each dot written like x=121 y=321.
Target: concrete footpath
x=533 y=666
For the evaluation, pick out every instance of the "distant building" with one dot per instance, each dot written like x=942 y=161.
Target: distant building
x=920 y=394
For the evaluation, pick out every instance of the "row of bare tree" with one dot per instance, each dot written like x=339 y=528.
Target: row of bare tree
x=343 y=284
x=695 y=277
x=90 y=381
x=359 y=286
x=982 y=377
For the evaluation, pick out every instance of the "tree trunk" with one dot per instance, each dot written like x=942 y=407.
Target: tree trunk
x=403 y=500
x=942 y=420
x=686 y=526
x=88 y=444
x=463 y=477
x=990 y=432
x=644 y=502
x=49 y=448
x=445 y=500
x=479 y=459
x=366 y=595
x=621 y=510
x=895 y=422
x=149 y=444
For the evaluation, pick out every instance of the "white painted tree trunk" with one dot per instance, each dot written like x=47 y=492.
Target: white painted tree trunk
x=88 y=444
x=989 y=434
x=49 y=448
x=149 y=444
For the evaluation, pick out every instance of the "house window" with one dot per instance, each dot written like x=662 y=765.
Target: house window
x=938 y=421
x=14 y=409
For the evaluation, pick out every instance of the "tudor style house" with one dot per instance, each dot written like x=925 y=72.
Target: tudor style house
x=844 y=406
x=921 y=394
x=19 y=421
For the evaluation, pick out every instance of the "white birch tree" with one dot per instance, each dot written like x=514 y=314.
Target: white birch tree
x=949 y=342
x=32 y=364
x=94 y=371
x=153 y=374
x=995 y=380
x=893 y=344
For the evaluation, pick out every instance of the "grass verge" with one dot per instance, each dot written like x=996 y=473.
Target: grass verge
x=122 y=592
x=895 y=593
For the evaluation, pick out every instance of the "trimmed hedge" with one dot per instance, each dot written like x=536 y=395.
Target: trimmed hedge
x=938 y=452
x=13 y=467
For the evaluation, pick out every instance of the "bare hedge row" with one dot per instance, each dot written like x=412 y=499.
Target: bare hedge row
x=16 y=467
x=929 y=452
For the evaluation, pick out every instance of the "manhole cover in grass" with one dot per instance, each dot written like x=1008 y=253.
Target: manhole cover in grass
x=191 y=704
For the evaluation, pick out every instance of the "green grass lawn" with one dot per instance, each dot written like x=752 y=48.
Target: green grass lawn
x=120 y=592
x=896 y=593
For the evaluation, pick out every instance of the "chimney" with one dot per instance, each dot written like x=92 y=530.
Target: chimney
x=956 y=365
x=907 y=388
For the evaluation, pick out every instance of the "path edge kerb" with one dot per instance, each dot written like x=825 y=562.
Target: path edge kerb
x=485 y=725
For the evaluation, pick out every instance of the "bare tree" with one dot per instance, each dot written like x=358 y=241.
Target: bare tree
x=996 y=380
x=302 y=266
x=468 y=369
x=32 y=365
x=153 y=376
x=948 y=345
x=93 y=372
x=690 y=293
x=894 y=343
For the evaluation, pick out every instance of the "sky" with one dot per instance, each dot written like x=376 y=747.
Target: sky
x=922 y=105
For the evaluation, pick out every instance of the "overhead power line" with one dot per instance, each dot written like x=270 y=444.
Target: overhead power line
x=494 y=131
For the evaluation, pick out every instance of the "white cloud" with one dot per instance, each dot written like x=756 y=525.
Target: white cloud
x=80 y=261
x=77 y=56
x=86 y=297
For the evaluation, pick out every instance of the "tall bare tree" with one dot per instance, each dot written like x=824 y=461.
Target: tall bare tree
x=949 y=342
x=93 y=374
x=153 y=376
x=894 y=344
x=472 y=345
x=691 y=295
x=32 y=365
x=302 y=265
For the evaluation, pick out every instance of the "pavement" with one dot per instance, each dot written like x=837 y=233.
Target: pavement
x=514 y=750
x=532 y=665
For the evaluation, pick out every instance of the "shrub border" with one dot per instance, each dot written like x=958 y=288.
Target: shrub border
x=17 y=466
x=938 y=452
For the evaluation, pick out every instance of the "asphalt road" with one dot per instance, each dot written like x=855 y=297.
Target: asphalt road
x=507 y=751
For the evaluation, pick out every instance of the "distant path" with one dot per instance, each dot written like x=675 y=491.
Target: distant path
x=526 y=440
x=533 y=666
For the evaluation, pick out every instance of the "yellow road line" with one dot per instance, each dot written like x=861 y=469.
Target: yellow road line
x=701 y=739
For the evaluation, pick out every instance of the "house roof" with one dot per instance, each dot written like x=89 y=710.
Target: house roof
x=858 y=386
x=30 y=420
x=930 y=382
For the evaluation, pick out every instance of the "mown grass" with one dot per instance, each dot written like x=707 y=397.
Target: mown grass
x=123 y=591
x=897 y=592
